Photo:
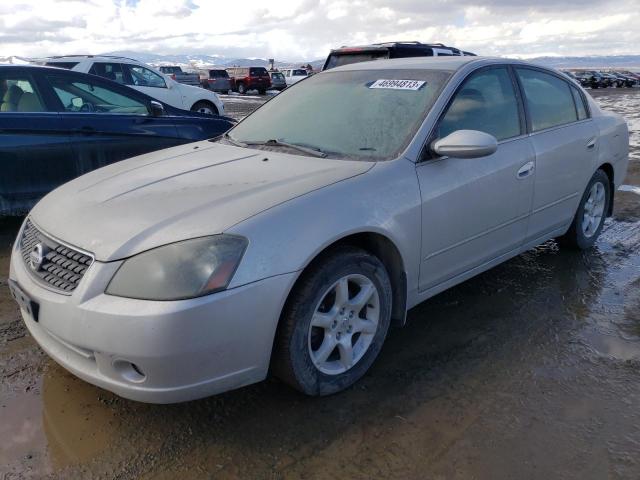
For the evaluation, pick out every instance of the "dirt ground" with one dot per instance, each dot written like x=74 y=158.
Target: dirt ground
x=529 y=371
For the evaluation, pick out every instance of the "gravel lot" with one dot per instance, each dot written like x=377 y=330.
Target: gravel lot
x=530 y=370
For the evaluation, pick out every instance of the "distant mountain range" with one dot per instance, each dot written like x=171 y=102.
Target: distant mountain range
x=210 y=60
x=199 y=61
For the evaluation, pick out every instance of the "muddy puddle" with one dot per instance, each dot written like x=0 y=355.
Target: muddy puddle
x=531 y=370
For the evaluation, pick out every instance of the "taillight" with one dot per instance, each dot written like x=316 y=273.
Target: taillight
x=173 y=76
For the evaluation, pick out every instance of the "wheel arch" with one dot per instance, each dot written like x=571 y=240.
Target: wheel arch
x=382 y=247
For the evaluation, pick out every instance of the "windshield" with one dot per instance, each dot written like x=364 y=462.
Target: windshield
x=299 y=72
x=277 y=76
x=365 y=114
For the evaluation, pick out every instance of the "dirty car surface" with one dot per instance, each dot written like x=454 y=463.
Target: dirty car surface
x=337 y=229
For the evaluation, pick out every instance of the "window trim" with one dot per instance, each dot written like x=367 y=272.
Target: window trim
x=530 y=130
x=426 y=155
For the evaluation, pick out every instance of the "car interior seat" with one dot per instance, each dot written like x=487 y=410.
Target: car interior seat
x=29 y=102
x=11 y=98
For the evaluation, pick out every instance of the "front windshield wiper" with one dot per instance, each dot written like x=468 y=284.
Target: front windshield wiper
x=233 y=141
x=316 y=152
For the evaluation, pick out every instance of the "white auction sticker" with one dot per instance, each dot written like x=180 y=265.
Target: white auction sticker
x=398 y=84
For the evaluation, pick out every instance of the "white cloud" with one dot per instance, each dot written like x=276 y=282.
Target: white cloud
x=307 y=29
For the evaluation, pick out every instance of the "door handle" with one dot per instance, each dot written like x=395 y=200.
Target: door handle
x=526 y=170
x=592 y=143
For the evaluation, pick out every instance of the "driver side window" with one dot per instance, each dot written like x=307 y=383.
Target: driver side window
x=79 y=96
x=486 y=102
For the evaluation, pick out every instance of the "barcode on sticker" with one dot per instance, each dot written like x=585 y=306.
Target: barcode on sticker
x=398 y=84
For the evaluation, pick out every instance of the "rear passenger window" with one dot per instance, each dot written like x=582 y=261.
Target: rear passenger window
x=581 y=108
x=549 y=99
x=112 y=71
x=17 y=94
x=486 y=102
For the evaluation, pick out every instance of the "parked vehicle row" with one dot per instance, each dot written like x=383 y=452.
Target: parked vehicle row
x=599 y=79
x=58 y=124
x=143 y=78
x=292 y=243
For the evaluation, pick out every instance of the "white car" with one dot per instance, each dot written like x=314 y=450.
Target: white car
x=294 y=75
x=145 y=79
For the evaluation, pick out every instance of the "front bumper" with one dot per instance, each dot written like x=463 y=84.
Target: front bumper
x=156 y=352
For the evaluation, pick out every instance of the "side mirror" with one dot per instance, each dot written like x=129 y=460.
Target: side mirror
x=465 y=144
x=156 y=109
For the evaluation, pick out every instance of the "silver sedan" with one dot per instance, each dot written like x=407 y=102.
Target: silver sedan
x=294 y=242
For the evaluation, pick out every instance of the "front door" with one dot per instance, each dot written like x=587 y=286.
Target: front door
x=106 y=124
x=476 y=210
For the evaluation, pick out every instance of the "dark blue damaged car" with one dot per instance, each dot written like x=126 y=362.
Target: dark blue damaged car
x=57 y=124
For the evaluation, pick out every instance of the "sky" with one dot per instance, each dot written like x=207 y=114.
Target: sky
x=296 y=30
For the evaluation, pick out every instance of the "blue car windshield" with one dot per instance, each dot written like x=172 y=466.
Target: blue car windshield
x=360 y=114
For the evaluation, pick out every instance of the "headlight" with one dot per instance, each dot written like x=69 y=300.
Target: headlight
x=181 y=270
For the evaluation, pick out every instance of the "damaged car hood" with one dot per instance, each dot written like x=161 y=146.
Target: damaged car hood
x=179 y=193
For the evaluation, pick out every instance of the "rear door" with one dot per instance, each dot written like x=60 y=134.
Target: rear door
x=565 y=144
x=35 y=152
x=107 y=122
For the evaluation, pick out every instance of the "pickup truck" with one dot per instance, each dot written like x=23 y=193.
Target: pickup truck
x=178 y=75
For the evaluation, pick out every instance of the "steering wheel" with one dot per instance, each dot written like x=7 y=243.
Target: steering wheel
x=87 y=107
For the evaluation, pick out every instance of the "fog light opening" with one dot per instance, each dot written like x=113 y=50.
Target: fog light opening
x=129 y=371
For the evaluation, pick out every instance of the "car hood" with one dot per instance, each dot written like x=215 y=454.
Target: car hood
x=183 y=192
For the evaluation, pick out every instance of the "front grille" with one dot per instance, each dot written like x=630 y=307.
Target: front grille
x=62 y=267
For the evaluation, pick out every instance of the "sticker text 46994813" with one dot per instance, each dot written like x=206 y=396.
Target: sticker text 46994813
x=398 y=84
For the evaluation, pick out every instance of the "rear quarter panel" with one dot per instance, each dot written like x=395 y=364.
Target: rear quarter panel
x=614 y=144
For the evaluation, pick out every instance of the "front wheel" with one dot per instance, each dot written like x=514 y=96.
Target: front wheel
x=334 y=323
x=592 y=211
x=205 y=107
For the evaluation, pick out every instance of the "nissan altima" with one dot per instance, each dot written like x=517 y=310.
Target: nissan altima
x=291 y=244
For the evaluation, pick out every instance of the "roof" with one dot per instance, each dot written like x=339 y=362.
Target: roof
x=445 y=63
x=66 y=58
x=423 y=63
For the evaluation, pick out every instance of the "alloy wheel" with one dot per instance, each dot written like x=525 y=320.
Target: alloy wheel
x=593 y=210
x=344 y=324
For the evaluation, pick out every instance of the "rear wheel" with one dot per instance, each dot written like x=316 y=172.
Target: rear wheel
x=334 y=324
x=262 y=91
x=205 y=107
x=592 y=211
x=242 y=89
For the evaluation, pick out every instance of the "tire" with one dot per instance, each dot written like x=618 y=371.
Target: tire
x=242 y=89
x=578 y=236
x=204 y=107
x=262 y=91
x=297 y=358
